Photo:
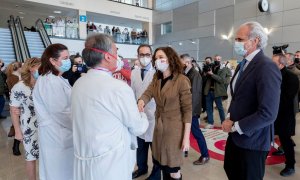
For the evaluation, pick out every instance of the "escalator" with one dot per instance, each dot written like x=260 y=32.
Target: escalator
x=19 y=45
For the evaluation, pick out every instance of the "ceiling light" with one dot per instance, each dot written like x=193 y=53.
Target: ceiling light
x=267 y=31
x=180 y=44
x=57 y=12
x=21 y=12
x=51 y=16
x=224 y=37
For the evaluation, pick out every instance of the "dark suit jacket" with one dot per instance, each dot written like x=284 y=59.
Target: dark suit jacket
x=196 y=82
x=255 y=103
x=286 y=122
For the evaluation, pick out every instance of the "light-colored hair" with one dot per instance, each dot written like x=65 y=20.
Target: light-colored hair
x=282 y=59
x=257 y=31
x=25 y=71
x=14 y=66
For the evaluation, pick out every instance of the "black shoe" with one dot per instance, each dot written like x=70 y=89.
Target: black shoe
x=138 y=173
x=287 y=172
x=279 y=152
x=15 y=148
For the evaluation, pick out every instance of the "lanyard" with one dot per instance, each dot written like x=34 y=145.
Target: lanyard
x=104 y=70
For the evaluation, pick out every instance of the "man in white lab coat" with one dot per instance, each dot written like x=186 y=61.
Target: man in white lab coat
x=140 y=80
x=105 y=115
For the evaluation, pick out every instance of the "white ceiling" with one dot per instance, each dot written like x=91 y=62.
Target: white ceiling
x=32 y=11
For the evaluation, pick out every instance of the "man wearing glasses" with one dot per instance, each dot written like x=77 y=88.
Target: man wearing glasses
x=140 y=80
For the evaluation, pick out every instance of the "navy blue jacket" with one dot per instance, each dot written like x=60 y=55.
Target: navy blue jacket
x=255 y=103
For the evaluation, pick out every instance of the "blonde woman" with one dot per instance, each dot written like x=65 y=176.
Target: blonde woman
x=25 y=122
x=13 y=77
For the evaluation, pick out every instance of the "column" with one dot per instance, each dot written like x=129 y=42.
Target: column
x=82 y=24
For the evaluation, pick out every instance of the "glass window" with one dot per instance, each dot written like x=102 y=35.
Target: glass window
x=166 y=28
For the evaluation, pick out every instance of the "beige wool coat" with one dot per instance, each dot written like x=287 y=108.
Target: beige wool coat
x=173 y=110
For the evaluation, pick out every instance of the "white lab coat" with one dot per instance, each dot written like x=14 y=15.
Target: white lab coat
x=139 y=86
x=52 y=103
x=106 y=122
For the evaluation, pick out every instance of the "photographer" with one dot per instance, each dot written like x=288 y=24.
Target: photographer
x=214 y=90
x=77 y=69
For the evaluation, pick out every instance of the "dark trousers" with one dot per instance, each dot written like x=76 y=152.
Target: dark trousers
x=142 y=159
x=210 y=98
x=243 y=164
x=289 y=151
x=2 y=103
x=197 y=133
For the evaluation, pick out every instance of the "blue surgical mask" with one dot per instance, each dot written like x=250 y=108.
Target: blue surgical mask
x=239 y=48
x=65 y=65
x=36 y=74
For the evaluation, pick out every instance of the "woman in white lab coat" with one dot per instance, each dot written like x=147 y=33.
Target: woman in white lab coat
x=105 y=117
x=51 y=97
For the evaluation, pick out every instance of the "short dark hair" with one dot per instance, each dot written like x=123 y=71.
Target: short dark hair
x=103 y=42
x=185 y=56
x=208 y=58
x=297 y=52
x=144 y=45
x=52 y=51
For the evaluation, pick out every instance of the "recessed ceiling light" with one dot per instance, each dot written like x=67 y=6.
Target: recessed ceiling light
x=57 y=12
x=180 y=44
x=17 y=5
x=21 y=12
x=51 y=16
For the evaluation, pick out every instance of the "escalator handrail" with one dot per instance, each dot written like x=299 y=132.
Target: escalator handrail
x=39 y=25
x=17 y=48
x=23 y=38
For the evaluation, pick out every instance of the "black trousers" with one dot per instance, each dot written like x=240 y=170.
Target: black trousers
x=142 y=159
x=243 y=164
x=289 y=151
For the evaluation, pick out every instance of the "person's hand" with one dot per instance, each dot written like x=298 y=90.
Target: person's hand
x=210 y=72
x=141 y=105
x=227 y=125
x=185 y=144
x=82 y=74
x=18 y=135
x=74 y=68
x=16 y=111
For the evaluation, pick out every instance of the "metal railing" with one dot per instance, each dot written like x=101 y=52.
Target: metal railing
x=138 y=3
x=21 y=39
x=39 y=25
x=69 y=31
x=12 y=27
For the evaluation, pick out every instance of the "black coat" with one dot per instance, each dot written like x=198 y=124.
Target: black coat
x=196 y=83
x=285 y=122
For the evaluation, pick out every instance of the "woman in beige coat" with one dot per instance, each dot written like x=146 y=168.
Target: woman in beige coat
x=171 y=92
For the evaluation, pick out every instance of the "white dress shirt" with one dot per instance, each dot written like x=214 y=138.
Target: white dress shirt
x=249 y=58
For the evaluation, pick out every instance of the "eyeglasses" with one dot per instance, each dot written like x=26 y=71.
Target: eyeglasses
x=145 y=55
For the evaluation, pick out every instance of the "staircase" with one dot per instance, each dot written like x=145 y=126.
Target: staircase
x=7 y=52
x=35 y=44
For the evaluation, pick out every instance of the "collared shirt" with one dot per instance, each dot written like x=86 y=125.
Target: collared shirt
x=147 y=68
x=187 y=70
x=249 y=58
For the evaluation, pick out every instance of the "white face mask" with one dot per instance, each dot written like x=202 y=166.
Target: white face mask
x=120 y=64
x=145 y=61
x=161 y=66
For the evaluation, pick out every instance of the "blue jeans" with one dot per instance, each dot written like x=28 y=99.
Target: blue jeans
x=2 y=103
x=197 y=133
x=210 y=98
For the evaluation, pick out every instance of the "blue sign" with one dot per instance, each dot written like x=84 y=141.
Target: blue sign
x=82 y=18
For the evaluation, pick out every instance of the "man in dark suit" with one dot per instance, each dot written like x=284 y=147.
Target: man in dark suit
x=255 y=91
x=196 y=82
x=285 y=123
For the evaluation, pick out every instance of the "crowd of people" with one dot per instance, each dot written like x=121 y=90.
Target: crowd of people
x=119 y=35
x=92 y=117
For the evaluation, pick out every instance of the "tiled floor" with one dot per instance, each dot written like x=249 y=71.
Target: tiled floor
x=13 y=167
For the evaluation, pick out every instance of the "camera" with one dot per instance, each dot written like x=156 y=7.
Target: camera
x=207 y=67
x=80 y=68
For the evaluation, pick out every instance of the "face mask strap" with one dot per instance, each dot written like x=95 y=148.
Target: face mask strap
x=102 y=51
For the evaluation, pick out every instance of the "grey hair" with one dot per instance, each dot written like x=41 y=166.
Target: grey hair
x=282 y=59
x=186 y=56
x=102 y=42
x=257 y=31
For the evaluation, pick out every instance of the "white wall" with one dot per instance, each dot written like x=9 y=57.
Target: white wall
x=74 y=46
